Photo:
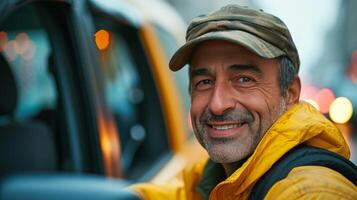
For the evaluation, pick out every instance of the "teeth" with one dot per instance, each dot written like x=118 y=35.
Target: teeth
x=225 y=127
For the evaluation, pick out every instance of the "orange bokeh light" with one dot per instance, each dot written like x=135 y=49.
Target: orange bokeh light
x=3 y=40
x=102 y=39
x=324 y=98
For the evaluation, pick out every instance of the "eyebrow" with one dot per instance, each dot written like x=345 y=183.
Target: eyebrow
x=198 y=72
x=243 y=67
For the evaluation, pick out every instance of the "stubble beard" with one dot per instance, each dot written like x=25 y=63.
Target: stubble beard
x=225 y=150
x=230 y=152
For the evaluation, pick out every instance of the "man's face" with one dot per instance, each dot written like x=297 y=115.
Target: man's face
x=235 y=98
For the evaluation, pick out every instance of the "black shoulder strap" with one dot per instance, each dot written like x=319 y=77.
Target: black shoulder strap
x=303 y=156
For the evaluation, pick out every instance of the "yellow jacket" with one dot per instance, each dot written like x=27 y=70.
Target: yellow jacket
x=300 y=124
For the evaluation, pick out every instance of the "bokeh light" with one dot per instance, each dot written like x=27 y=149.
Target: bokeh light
x=341 y=110
x=308 y=92
x=102 y=39
x=23 y=43
x=324 y=98
x=3 y=40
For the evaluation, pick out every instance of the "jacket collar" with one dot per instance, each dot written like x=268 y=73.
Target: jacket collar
x=213 y=174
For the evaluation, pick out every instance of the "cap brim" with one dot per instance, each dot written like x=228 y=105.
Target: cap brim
x=251 y=42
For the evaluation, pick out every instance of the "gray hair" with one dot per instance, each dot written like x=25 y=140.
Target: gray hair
x=287 y=73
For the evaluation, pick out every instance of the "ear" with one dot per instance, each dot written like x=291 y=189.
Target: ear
x=293 y=92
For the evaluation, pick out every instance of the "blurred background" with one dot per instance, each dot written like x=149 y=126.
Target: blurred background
x=85 y=88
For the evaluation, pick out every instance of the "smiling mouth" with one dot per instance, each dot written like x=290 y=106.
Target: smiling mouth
x=225 y=126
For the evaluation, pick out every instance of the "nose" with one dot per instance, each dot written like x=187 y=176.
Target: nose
x=221 y=99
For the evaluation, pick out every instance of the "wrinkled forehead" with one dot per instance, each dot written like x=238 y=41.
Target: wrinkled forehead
x=209 y=52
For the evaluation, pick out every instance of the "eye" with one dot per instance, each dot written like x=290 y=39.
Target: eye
x=204 y=84
x=244 y=79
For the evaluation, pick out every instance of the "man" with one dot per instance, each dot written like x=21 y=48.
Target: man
x=245 y=88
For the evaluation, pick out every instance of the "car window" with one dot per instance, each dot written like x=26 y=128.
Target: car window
x=25 y=45
x=132 y=96
x=27 y=129
x=37 y=45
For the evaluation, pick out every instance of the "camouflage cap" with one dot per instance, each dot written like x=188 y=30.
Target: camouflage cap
x=258 y=31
